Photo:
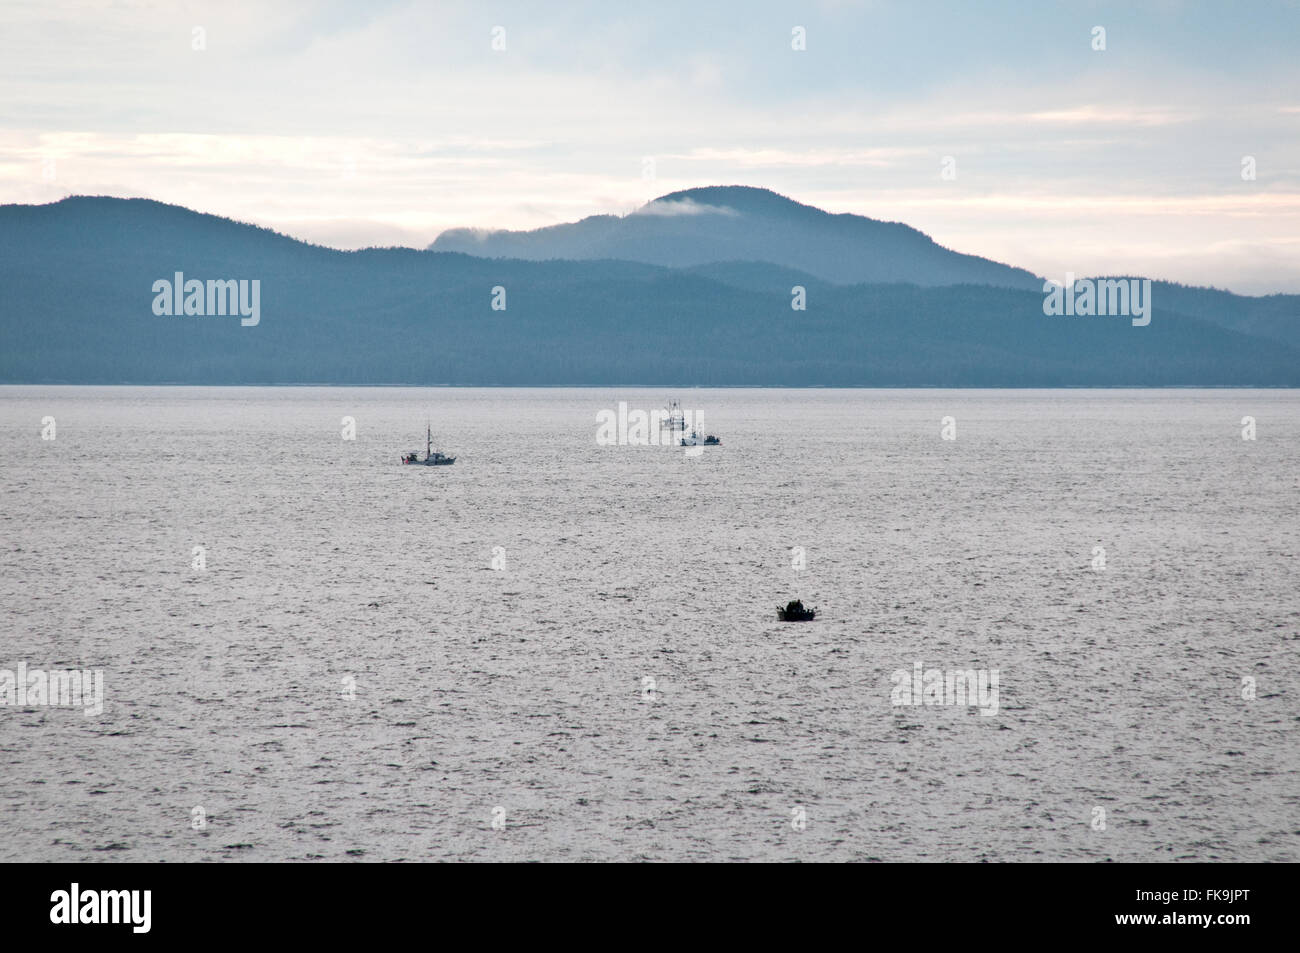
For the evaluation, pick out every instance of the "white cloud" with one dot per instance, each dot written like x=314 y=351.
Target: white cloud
x=685 y=206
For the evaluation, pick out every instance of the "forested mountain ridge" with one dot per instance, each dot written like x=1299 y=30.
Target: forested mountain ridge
x=77 y=305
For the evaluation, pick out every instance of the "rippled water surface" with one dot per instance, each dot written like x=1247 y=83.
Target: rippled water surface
x=332 y=571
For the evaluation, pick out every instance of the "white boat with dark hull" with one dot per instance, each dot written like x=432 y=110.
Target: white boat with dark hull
x=432 y=458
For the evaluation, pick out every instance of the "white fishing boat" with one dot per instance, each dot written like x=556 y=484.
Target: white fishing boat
x=676 y=419
x=432 y=458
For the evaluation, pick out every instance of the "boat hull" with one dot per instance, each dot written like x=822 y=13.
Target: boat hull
x=807 y=615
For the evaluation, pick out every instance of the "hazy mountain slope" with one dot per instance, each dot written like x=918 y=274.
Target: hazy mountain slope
x=737 y=223
x=1271 y=316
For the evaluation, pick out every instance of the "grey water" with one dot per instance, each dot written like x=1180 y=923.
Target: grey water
x=562 y=650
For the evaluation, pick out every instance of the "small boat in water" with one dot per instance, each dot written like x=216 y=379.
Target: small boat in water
x=695 y=440
x=795 y=612
x=432 y=458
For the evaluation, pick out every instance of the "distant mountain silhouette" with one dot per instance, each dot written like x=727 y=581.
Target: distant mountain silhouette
x=739 y=223
x=76 y=280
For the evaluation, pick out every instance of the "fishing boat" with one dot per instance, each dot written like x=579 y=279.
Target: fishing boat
x=675 y=419
x=432 y=458
x=795 y=612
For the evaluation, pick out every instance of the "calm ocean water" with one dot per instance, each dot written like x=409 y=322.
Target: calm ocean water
x=349 y=677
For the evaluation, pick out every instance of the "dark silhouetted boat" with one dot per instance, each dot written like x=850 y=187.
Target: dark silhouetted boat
x=795 y=612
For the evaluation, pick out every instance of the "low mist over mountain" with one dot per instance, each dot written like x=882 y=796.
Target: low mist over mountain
x=737 y=223
x=77 y=300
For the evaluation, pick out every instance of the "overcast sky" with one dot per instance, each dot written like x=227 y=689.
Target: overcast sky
x=358 y=123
